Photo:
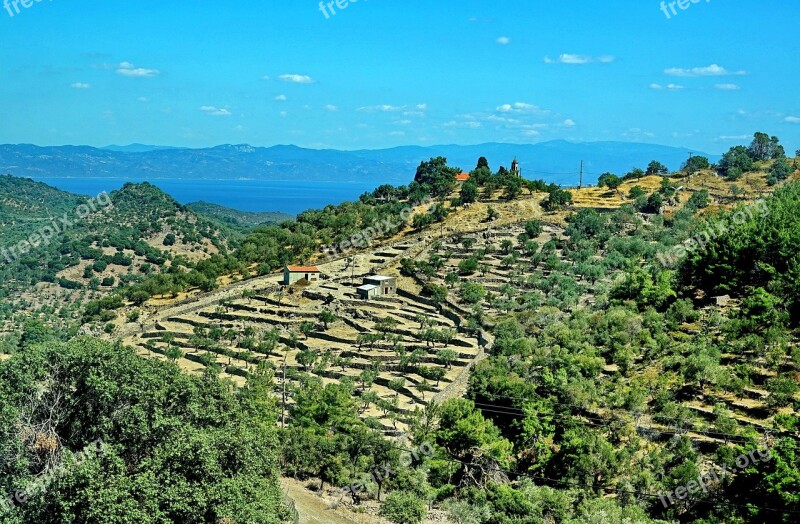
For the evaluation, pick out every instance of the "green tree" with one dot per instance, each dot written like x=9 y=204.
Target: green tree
x=402 y=507
x=609 y=180
x=468 y=266
x=327 y=318
x=472 y=292
x=699 y=200
x=780 y=171
x=636 y=192
x=446 y=357
x=437 y=176
x=558 y=199
x=469 y=192
x=656 y=168
x=695 y=164
x=735 y=162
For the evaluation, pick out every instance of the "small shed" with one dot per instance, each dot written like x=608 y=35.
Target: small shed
x=386 y=285
x=368 y=291
x=293 y=274
x=723 y=300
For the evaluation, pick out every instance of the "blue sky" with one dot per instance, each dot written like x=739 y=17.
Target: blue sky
x=382 y=73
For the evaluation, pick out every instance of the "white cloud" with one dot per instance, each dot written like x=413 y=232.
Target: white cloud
x=80 y=85
x=403 y=122
x=281 y=98
x=128 y=69
x=265 y=77
x=468 y=125
x=397 y=133
x=215 y=111
x=520 y=107
x=712 y=70
x=297 y=79
x=635 y=133
x=729 y=138
x=422 y=107
x=792 y=119
x=385 y=108
x=331 y=107
x=573 y=59
x=142 y=99
x=504 y=40
x=568 y=123
x=283 y=114
x=727 y=87
x=669 y=87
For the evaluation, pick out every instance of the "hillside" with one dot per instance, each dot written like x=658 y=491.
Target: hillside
x=540 y=319
x=237 y=219
x=61 y=250
x=537 y=347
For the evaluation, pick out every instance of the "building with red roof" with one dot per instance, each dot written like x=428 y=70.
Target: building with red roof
x=293 y=274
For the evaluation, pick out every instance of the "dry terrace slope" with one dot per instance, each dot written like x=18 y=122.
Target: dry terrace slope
x=231 y=326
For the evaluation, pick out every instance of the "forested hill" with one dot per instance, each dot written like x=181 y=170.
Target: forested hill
x=242 y=220
x=25 y=205
x=59 y=249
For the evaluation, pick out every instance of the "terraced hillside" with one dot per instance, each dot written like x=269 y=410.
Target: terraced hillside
x=401 y=350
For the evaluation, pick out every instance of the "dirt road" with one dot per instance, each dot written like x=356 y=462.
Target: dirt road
x=313 y=510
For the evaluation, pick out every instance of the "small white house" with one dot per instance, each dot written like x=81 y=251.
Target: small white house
x=386 y=285
x=368 y=291
x=293 y=274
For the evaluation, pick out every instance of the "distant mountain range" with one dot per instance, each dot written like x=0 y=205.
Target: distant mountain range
x=556 y=161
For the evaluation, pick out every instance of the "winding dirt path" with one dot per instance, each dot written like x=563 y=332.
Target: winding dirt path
x=313 y=509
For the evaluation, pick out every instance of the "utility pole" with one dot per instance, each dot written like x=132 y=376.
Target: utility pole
x=580 y=184
x=283 y=397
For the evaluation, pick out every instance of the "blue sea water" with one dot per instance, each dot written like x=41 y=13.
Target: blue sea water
x=245 y=195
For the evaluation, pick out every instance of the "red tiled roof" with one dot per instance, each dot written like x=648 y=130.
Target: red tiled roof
x=302 y=269
x=463 y=177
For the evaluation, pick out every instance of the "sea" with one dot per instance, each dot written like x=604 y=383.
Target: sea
x=287 y=196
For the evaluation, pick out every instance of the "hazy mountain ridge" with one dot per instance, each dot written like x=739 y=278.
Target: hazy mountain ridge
x=556 y=161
